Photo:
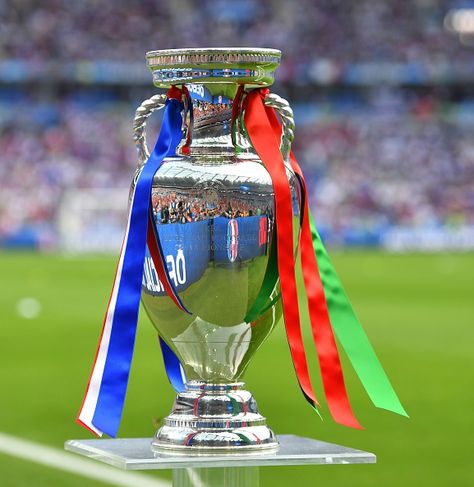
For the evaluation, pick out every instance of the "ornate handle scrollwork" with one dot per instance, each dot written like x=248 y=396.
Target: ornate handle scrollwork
x=139 y=125
x=158 y=101
x=287 y=135
x=288 y=122
x=139 y=130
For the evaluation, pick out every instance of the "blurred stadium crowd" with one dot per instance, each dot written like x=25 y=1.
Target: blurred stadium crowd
x=320 y=38
x=378 y=156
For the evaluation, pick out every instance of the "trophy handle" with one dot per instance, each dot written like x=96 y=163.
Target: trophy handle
x=142 y=113
x=139 y=124
x=158 y=101
x=288 y=122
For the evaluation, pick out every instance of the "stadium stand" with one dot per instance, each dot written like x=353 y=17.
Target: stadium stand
x=381 y=91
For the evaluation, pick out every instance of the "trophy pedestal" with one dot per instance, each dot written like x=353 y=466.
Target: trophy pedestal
x=214 y=419
x=238 y=470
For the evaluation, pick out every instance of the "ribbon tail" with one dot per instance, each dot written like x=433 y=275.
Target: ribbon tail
x=102 y=407
x=174 y=369
x=89 y=403
x=89 y=407
x=352 y=336
x=266 y=145
x=323 y=335
x=321 y=325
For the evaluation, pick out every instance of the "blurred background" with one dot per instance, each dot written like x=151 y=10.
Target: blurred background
x=383 y=94
x=382 y=91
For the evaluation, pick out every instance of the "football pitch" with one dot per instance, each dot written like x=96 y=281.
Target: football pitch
x=417 y=309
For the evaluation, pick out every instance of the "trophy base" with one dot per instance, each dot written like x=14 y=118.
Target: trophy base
x=214 y=418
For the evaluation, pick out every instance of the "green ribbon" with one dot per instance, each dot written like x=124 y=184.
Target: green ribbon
x=344 y=322
x=261 y=303
x=351 y=335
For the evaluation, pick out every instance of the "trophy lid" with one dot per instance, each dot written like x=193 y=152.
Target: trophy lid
x=236 y=65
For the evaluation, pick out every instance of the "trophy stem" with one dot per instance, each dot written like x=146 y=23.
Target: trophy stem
x=211 y=418
x=216 y=477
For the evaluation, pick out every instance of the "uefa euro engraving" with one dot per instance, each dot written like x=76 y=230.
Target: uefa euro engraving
x=213 y=209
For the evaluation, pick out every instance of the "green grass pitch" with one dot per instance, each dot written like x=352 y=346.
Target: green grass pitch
x=417 y=309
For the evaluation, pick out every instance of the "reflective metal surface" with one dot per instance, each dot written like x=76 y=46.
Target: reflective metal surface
x=210 y=418
x=213 y=207
x=254 y=67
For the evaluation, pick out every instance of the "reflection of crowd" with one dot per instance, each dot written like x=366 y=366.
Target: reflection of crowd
x=173 y=209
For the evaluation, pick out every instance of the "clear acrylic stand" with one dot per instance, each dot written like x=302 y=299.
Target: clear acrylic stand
x=236 y=470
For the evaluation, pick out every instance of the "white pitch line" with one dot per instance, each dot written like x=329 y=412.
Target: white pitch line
x=52 y=457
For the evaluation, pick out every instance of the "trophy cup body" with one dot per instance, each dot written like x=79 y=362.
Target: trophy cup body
x=213 y=207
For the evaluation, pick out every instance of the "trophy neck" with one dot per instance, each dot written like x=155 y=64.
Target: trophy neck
x=211 y=126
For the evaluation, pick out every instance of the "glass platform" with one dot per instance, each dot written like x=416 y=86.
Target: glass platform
x=136 y=454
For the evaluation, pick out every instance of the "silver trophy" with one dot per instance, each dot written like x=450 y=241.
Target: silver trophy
x=213 y=206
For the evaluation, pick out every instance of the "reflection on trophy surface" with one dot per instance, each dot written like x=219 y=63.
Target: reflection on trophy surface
x=213 y=208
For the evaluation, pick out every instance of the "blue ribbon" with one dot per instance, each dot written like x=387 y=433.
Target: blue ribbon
x=173 y=367
x=114 y=382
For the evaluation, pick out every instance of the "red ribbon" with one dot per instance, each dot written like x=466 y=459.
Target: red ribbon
x=159 y=262
x=323 y=336
x=153 y=239
x=265 y=143
x=264 y=130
